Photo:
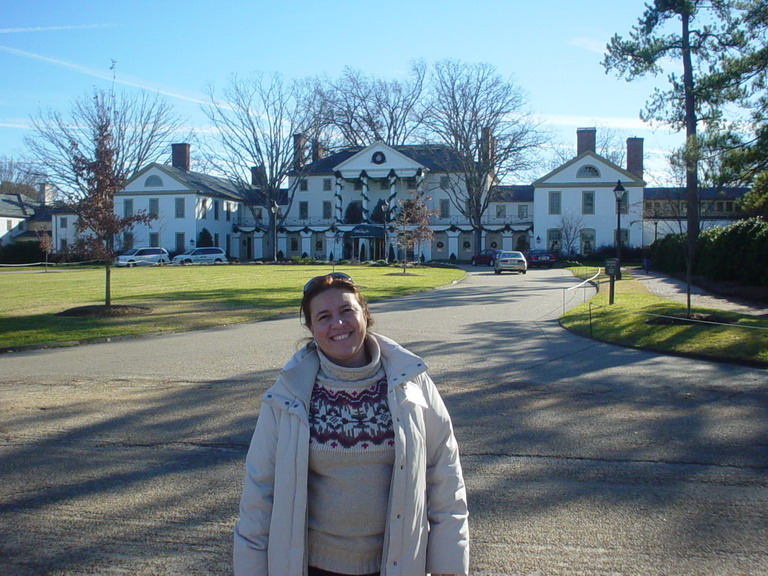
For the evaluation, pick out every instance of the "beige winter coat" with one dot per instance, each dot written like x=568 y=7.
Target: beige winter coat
x=427 y=529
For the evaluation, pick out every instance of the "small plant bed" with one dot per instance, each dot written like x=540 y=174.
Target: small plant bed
x=683 y=318
x=103 y=311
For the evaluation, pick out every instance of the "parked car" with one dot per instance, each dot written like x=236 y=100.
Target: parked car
x=201 y=256
x=485 y=258
x=511 y=261
x=540 y=258
x=143 y=257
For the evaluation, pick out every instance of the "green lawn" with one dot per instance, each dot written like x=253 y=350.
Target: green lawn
x=179 y=297
x=633 y=321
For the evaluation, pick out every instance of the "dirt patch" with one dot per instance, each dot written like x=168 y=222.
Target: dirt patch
x=103 y=311
x=683 y=318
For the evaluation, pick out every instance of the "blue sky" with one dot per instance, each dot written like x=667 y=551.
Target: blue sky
x=54 y=51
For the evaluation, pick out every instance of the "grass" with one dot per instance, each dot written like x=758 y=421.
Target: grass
x=180 y=298
x=633 y=321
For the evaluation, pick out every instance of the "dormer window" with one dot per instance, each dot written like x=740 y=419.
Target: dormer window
x=588 y=171
x=153 y=181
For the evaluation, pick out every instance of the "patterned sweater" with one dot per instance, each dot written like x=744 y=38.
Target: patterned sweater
x=350 y=466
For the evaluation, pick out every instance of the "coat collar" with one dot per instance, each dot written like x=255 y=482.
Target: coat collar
x=400 y=366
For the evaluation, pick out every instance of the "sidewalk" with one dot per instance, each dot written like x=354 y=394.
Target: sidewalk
x=674 y=289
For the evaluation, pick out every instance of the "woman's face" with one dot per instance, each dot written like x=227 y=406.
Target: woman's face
x=339 y=327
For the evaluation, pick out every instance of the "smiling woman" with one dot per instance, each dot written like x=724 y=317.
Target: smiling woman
x=377 y=428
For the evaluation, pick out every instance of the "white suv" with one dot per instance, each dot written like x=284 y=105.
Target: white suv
x=201 y=256
x=143 y=257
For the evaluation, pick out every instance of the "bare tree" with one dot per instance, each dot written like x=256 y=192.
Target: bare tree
x=571 y=223
x=89 y=154
x=17 y=177
x=480 y=117
x=364 y=109
x=141 y=127
x=610 y=145
x=263 y=122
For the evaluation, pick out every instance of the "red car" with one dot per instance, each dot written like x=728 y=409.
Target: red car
x=485 y=258
x=540 y=258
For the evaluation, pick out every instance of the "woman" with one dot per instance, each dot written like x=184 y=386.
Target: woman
x=353 y=467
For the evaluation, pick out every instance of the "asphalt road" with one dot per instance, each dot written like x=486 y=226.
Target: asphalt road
x=580 y=458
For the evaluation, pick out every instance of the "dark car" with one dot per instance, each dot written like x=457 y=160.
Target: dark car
x=485 y=258
x=540 y=258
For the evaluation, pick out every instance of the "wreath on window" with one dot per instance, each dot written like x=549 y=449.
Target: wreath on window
x=467 y=244
x=378 y=158
x=493 y=244
x=440 y=245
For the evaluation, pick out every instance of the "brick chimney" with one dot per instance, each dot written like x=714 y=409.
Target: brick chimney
x=43 y=194
x=586 y=140
x=180 y=156
x=299 y=143
x=318 y=150
x=258 y=175
x=635 y=156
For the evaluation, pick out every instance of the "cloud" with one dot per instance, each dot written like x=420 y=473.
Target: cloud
x=51 y=28
x=106 y=75
x=588 y=44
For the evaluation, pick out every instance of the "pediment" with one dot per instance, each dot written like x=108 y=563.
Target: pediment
x=377 y=161
x=588 y=169
x=153 y=179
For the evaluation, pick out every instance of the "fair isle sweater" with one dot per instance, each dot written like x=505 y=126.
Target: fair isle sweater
x=351 y=455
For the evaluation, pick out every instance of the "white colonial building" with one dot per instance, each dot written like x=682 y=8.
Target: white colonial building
x=342 y=200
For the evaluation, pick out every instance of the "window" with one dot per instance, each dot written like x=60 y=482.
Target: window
x=294 y=244
x=153 y=181
x=215 y=209
x=522 y=211
x=128 y=207
x=327 y=210
x=180 y=242
x=588 y=171
x=179 y=207
x=501 y=211
x=63 y=222
x=383 y=185
x=303 y=185
x=445 y=208
x=63 y=245
x=154 y=206
x=216 y=238
x=8 y=225
x=203 y=208
x=228 y=211
x=587 y=202
x=358 y=184
x=303 y=209
x=554 y=202
x=154 y=239
x=127 y=241
x=445 y=182
x=553 y=239
x=257 y=213
x=326 y=184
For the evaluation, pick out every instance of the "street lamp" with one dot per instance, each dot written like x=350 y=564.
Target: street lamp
x=619 y=192
x=274 y=208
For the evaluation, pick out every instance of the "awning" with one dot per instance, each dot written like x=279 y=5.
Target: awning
x=366 y=231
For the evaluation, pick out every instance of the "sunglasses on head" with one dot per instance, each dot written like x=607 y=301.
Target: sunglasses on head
x=314 y=282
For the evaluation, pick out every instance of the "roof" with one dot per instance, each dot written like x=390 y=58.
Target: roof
x=435 y=157
x=513 y=193
x=16 y=206
x=195 y=181
x=711 y=193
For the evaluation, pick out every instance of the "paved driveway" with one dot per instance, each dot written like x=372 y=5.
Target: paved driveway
x=580 y=457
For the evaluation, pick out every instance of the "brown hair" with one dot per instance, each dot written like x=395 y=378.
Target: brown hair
x=320 y=284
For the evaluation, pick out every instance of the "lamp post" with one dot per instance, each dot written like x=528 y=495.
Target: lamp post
x=619 y=192
x=274 y=208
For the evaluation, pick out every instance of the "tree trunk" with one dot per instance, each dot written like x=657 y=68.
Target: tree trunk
x=107 y=284
x=691 y=160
